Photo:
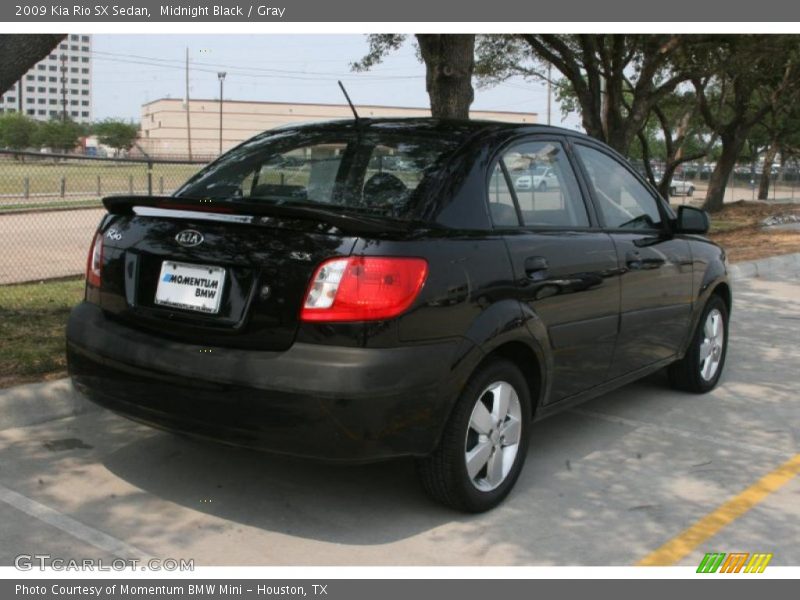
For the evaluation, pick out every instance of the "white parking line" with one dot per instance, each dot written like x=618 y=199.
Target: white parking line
x=690 y=435
x=67 y=524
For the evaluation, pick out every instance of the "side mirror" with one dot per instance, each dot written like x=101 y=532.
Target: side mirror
x=692 y=220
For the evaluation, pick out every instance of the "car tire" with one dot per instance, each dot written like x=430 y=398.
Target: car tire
x=690 y=191
x=700 y=369
x=672 y=191
x=451 y=475
x=542 y=187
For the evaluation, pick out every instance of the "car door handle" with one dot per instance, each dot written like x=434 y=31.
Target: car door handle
x=635 y=260
x=535 y=267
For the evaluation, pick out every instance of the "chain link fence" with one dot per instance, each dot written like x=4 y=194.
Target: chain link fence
x=50 y=205
x=743 y=183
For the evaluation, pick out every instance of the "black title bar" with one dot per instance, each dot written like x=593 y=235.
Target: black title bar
x=464 y=11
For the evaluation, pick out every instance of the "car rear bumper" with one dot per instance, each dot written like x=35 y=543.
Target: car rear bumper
x=327 y=402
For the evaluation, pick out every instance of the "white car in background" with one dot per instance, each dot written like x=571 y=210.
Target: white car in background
x=541 y=179
x=681 y=187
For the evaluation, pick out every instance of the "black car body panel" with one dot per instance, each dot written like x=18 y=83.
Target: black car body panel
x=249 y=315
x=580 y=309
x=332 y=403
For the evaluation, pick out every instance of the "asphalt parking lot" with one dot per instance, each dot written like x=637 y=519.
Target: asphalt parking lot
x=609 y=483
x=41 y=245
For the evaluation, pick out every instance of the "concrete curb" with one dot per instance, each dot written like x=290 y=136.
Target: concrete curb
x=35 y=403
x=787 y=263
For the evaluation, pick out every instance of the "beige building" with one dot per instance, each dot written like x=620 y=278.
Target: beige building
x=164 y=127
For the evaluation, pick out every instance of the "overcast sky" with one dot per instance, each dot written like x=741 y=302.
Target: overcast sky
x=130 y=70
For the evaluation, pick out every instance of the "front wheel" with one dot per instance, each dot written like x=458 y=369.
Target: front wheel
x=484 y=443
x=700 y=369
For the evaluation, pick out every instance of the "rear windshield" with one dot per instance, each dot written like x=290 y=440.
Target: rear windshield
x=371 y=172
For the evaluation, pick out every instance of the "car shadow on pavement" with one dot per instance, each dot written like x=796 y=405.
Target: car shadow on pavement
x=370 y=504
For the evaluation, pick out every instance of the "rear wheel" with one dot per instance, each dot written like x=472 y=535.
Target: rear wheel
x=700 y=369
x=543 y=186
x=690 y=191
x=484 y=444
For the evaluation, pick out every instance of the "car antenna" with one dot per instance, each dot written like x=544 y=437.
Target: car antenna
x=347 y=96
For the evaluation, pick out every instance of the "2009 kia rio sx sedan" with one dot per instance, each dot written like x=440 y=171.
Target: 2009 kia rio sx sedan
x=361 y=290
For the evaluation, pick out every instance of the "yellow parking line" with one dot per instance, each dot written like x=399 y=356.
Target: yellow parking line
x=686 y=541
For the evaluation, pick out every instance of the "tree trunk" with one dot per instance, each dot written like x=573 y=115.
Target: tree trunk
x=618 y=137
x=593 y=129
x=666 y=180
x=20 y=52
x=731 y=148
x=781 y=178
x=766 y=171
x=449 y=63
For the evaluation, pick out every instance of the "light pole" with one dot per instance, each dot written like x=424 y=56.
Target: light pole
x=221 y=76
x=549 y=89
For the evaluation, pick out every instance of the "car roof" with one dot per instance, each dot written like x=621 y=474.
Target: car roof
x=465 y=128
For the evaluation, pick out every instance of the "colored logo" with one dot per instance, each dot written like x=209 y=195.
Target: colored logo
x=737 y=562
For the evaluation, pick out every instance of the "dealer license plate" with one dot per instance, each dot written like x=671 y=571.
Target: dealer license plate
x=191 y=287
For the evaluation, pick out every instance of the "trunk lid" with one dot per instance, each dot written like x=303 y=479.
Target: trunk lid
x=215 y=276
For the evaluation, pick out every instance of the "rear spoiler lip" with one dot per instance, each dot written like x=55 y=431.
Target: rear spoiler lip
x=124 y=205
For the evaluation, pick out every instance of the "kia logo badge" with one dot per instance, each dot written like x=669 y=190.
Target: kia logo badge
x=188 y=238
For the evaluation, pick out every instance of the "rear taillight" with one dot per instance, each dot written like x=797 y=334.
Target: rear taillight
x=94 y=263
x=363 y=288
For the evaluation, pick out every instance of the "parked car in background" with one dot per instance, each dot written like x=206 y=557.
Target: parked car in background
x=296 y=297
x=681 y=187
x=540 y=179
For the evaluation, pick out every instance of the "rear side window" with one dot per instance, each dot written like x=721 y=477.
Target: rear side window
x=542 y=184
x=623 y=201
x=405 y=162
x=307 y=173
x=502 y=207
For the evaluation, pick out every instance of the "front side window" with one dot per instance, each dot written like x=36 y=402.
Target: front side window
x=542 y=184
x=624 y=201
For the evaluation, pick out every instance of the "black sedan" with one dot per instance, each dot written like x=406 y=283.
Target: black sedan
x=362 y=290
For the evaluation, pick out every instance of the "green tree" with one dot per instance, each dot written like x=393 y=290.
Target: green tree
x=614 y=79
x=672 y=132
x=17 y=131
x=682 y=135
x=749 y=78
x=777 y=133
x=449 y=64
x=118 y=134
x=59 y=135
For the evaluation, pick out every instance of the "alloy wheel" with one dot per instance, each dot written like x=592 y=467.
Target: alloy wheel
x=712 y=343
x=493 y=436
